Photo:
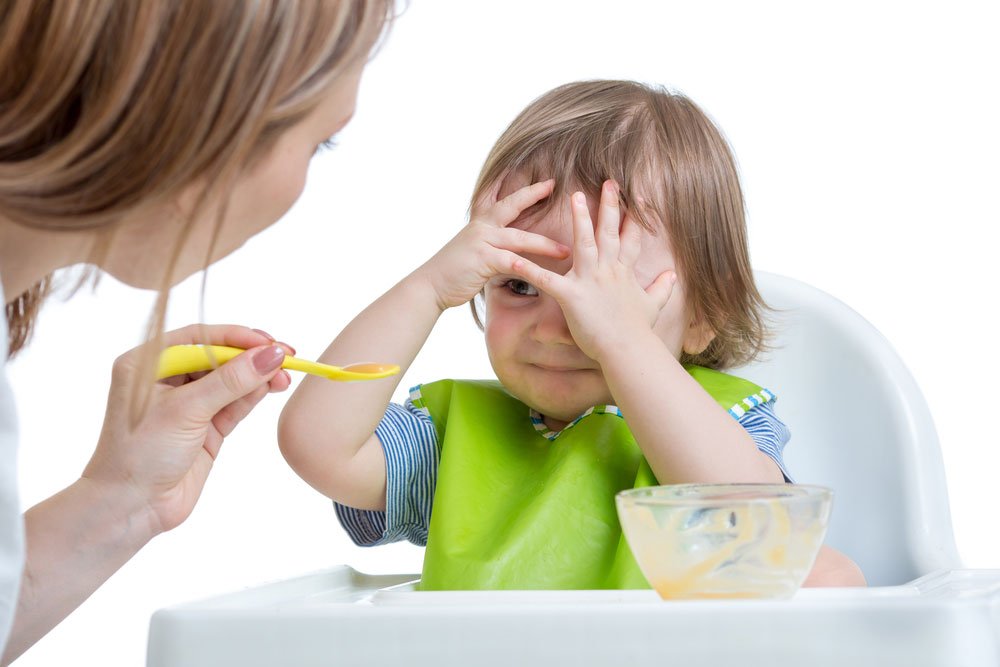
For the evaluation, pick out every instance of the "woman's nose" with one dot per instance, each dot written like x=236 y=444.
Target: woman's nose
x=550 y=327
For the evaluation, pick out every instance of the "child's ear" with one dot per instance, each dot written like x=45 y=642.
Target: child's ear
x=698 y=336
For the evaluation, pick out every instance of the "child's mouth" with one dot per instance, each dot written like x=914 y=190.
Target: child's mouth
x=558 y=368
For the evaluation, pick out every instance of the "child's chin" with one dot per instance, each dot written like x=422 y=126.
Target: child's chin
x=562 y=396
x=564 y=412
x=555 y=409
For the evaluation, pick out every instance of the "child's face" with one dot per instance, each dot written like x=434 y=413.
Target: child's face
x=529 y=344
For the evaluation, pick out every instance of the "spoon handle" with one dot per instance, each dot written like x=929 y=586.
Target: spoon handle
x=183 y=359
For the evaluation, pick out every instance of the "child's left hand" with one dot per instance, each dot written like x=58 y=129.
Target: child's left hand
x=604 y=304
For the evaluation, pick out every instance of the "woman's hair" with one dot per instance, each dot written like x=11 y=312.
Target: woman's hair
x=110 y=106
x=676 y=174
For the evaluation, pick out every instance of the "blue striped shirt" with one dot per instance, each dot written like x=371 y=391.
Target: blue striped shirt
x=409 y=442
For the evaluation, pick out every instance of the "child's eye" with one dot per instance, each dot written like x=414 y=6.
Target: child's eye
x=520 y=287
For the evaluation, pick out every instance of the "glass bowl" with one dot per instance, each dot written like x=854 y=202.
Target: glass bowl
x=704 y=541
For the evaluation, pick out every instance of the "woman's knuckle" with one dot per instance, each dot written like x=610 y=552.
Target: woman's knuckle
x=122 y=367
x=231 y=381
x=121 y=362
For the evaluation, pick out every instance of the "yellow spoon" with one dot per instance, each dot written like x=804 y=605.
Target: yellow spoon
x=182 y=359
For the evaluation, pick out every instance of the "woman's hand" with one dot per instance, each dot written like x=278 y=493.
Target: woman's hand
x=602 y=300
x=487 y=247
x=141 y=481
x=160 y=466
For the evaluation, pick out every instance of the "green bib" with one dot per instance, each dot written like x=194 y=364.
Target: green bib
x=514 y=509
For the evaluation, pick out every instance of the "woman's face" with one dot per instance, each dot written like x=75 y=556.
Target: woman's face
x=141 y=249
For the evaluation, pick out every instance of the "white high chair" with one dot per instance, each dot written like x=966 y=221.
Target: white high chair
x=859 y=425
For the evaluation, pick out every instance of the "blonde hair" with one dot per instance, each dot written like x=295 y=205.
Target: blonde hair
x=675 y=172
x=112 y=105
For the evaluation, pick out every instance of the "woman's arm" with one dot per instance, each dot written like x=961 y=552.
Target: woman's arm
x=75 y=541
x=140 y=481
x=326 y=429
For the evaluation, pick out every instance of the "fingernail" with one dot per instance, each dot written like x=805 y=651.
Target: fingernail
x=578 y=199
x=291 y=350
x=264 y=334
x=268 y=359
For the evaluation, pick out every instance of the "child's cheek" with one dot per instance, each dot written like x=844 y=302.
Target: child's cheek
x=501 y=335
x=493 y=335
x=672 y=322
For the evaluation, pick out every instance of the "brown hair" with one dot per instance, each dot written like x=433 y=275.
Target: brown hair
x=675 y=172
x=109 y=106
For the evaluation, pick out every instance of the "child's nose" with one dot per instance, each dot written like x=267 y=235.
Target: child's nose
x=550 y=327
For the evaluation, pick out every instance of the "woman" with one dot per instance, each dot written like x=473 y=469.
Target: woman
x=149 y=139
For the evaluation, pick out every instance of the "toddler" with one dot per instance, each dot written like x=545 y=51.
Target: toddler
x=607 y=248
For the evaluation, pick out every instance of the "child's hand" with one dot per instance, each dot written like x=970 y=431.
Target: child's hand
x=603 y=302
x=486 y=247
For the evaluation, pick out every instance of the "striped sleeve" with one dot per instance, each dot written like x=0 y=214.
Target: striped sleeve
x=409 y=443
x=768 y=432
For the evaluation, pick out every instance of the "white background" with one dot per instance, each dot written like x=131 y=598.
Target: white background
x=867 y=138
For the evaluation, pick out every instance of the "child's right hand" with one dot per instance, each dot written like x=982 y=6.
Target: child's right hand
x=327 y=429
x=487 y=247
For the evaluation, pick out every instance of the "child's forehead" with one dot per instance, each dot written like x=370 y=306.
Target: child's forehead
x=555 y=219
x=550 y=218
x=655 y=255
x=513 y=181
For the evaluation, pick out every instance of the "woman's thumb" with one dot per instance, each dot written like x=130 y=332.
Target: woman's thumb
x=235 y=379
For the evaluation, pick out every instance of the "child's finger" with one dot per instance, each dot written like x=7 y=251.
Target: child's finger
x=488 y=198
x=631 y=241
x=524 y=242
x=661 y=288
x=584 y=246
x=542 y=279
x=510 y=207
x=608 y=220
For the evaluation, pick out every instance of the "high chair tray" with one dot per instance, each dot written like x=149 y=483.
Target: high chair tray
x=343 y=617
